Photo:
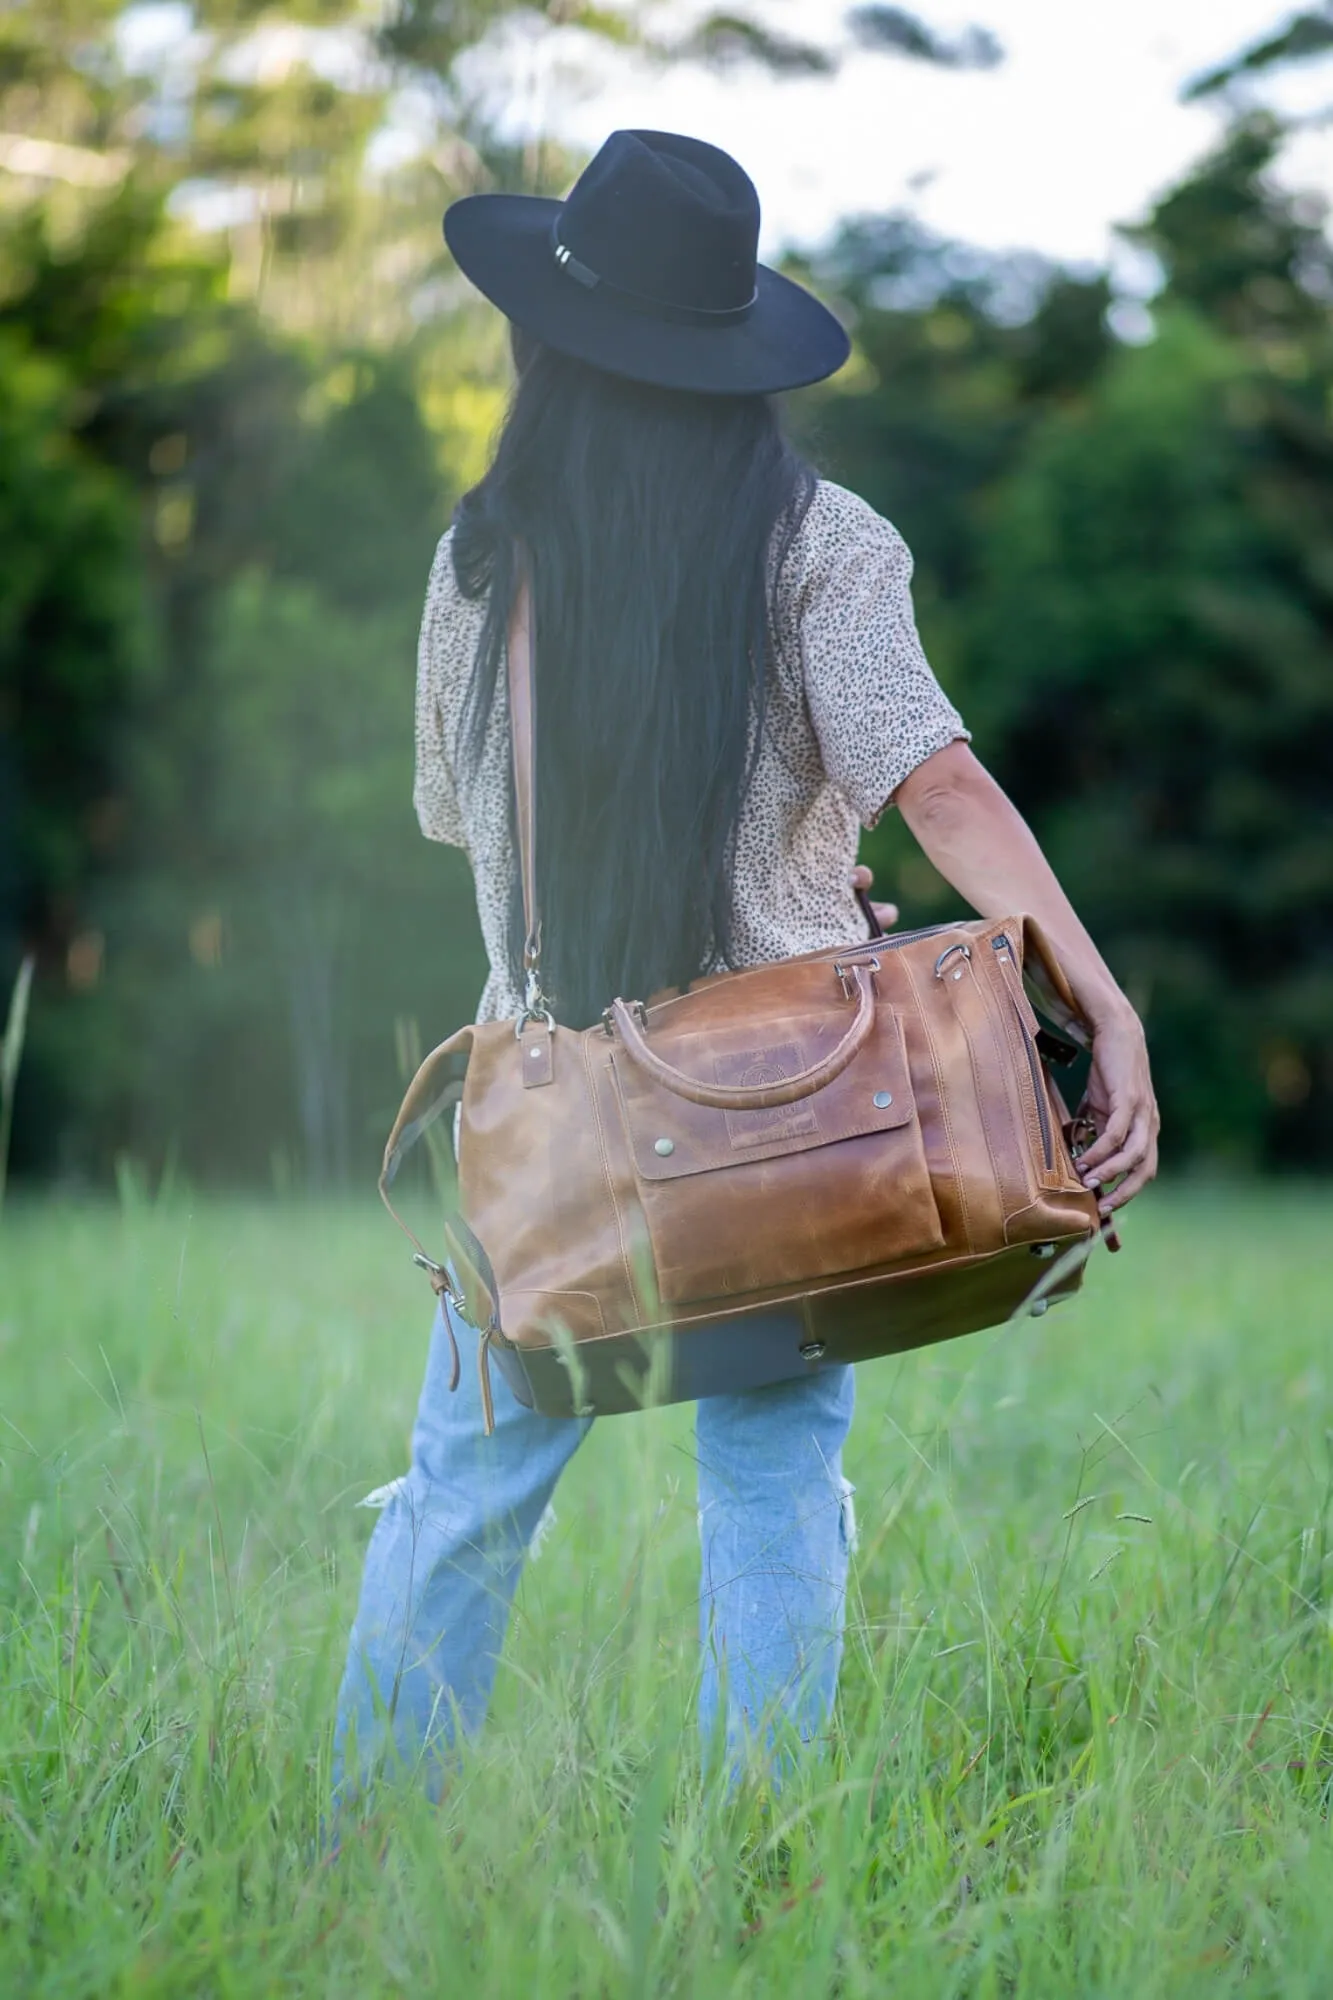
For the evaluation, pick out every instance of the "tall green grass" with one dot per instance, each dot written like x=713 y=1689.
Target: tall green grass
x=1085 y=1743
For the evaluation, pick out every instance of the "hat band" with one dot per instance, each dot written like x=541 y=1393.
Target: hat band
x=639 y=302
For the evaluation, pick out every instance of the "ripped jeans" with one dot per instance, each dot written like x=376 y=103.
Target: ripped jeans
x=775 y=1526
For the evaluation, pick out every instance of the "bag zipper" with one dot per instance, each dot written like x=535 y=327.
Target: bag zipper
x=892 y=940
x=1038 y=1088
x=1002 y=944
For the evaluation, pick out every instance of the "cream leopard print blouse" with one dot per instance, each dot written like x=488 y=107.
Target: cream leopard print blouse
x=853 y=709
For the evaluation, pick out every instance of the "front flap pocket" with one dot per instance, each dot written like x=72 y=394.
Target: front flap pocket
x=670 y=1137
x=740 y=1202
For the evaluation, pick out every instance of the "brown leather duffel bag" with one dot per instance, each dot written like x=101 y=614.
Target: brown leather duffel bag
x=822 y=1160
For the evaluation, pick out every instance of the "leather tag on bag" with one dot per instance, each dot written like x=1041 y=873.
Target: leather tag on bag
x=537 y=1054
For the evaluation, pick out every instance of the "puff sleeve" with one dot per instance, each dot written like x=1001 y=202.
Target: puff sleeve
x=877 y=709
x=433 y=792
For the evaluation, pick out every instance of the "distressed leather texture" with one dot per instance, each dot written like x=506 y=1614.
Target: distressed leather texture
x=618 y=1241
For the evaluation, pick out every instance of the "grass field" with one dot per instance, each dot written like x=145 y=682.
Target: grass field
x=1086 y=1737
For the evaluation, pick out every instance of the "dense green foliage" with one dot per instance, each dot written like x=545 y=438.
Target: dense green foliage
x=212 y=683
x=224 y=460
x=1124 y=576
x=1084 y=1737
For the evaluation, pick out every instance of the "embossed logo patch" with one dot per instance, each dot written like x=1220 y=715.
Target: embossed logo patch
x=752 y=1069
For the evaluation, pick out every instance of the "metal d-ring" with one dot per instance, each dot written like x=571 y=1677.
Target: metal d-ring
x=947 y=954
x=449 y=1291
x=637 y=1007
x=843 y=972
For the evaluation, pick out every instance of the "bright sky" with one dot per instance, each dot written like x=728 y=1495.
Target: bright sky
x=1076 y=131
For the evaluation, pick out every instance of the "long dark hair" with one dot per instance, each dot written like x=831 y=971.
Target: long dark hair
x=652 y=523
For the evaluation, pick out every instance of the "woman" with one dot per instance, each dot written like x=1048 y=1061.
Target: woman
x=728 y=683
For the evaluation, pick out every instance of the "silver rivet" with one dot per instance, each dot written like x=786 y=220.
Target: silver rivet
x=534 y=1055
x=813 y=1350
x=959 y=973
x=1040 y=1306
x=1043 y=1250
x=664 y=1146
x=883 y=1099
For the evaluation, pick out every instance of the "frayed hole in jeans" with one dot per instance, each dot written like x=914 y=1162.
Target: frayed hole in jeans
x=847 y=1510
x=541 y=1531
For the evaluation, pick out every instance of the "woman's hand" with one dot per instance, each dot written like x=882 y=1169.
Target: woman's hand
x=886 y=914
x=1122 y=1106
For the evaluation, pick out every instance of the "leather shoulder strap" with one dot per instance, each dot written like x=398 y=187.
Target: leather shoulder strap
x=522 y=725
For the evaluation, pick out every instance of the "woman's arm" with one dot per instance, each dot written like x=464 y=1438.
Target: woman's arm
x=985 y=849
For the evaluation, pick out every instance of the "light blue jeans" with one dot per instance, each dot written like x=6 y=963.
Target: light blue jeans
x=444 y=1560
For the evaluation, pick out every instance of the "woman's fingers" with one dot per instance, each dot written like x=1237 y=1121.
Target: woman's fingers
x=886 y=914
x=1107 y=1143
x=1126 y=1154
x=1132 y=1165
x=1134 y=1183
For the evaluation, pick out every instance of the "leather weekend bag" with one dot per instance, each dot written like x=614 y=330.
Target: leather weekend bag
x=821 y=1160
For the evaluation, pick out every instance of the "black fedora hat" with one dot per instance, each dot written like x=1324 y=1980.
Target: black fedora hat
x=649 y=269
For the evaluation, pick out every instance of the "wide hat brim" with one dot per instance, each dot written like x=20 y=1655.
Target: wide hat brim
x=505 y=244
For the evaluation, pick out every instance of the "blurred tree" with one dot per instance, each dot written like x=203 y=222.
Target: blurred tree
x=1255 y=260
x=1303 y=37
x=240 y=446
x=957 y=354
x=1124 y=573
x=73 y=652
x=225 y=454
x=1151 y=651
x=161 y=446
